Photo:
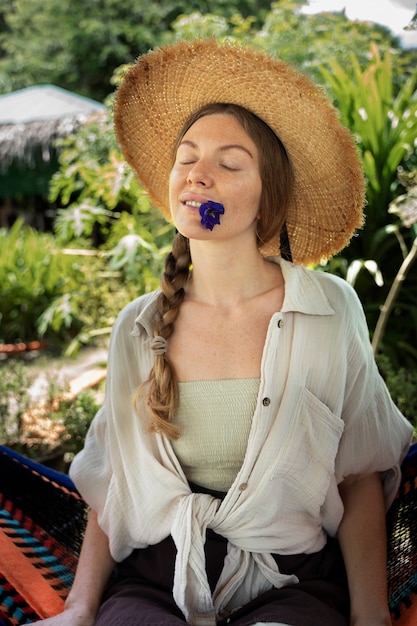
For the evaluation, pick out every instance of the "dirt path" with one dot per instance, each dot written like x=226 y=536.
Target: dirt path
x=84 y=370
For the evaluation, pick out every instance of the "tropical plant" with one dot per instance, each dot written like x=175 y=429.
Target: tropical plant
x=405 y=206
x=384 y=123
x=96 y=189
x=201 y=25
x=86 y=313
x=77 y=45
x=402 y=385
x=68 y=296
x=75 y=417
x=309 y=41
x=103 y=205
x=33 y=271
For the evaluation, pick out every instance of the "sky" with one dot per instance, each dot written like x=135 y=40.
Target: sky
x=392 y=13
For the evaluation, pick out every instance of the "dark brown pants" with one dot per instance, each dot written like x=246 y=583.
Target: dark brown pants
x=140 y=590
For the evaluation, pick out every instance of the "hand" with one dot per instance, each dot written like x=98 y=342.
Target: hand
x=69 y=617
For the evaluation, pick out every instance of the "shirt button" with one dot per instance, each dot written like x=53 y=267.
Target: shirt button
x=243 y=486
x=280 y=323
x=266 y=401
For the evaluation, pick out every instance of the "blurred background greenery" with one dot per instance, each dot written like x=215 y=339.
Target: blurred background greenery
x=104 y=242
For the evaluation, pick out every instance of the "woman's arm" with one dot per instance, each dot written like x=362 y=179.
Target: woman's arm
x=94 y=567
x=362 y=537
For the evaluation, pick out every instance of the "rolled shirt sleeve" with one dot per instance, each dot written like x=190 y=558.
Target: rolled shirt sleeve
x=376 y=436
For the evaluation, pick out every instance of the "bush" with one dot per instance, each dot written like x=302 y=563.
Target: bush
x=56 y=424
x=402 y=385
x=382 y=118
x=75 y=416
x=15 y=381
x=33 y=272
x=70 y=297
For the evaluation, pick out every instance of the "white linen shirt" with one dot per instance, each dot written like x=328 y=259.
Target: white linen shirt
x=323 y=413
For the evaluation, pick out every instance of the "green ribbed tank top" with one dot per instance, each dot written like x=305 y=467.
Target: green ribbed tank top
x=215 y=417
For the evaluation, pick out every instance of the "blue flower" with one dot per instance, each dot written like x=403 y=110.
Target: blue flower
x=210 y=214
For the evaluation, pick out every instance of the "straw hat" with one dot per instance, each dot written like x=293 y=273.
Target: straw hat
x=165 y=86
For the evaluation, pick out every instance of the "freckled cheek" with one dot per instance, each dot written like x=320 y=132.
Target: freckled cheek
x=255 y=193
x=173 y=189
x=249 y=194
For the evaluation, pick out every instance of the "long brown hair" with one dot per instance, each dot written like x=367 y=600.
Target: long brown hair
x=276 y=172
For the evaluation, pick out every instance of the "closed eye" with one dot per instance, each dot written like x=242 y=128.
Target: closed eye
x=230 y=168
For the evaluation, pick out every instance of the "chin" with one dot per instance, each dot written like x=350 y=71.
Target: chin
x=194 y=231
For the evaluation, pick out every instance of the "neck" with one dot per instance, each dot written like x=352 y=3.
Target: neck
x=224 y=277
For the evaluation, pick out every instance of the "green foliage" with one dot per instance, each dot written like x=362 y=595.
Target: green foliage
x=71 y=297
x=32 y=273
x=15 y=381
x=54 y=424
x=383 y=121
x=76 y=44
x=197 y=24
x=78 y=292
x=200 y=25
x=103 y=206
x=5 y=9
x=103 y=195
x=405 y=206
x=384 y=124
x=90 y=160
x=305 y=41
x=96 y=187
x=402 y=384
x=309 y=41
x=81 y=220
x=75 y=416
x=138 y=246
x=86 y=313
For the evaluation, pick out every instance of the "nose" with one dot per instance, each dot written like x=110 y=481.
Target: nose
x=199 y=174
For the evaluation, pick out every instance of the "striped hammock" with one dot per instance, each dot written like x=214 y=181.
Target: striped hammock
x=42 y=520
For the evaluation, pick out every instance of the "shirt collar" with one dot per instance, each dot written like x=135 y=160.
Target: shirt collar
x=303 y=294
x=144 y=320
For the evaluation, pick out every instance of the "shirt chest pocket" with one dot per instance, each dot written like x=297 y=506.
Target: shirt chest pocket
x=306 y=451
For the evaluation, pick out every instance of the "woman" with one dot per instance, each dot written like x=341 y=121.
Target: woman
x=245 y=426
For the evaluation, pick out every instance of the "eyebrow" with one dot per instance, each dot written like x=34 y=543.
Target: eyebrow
x=231 y=146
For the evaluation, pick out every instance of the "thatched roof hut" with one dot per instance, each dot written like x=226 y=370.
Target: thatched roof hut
x=31 y=120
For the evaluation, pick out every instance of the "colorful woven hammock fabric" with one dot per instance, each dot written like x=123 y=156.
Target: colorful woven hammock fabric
x=402 y=546
x=42 y=521
x=42 y=518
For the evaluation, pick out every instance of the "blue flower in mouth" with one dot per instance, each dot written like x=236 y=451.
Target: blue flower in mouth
x=210 y=214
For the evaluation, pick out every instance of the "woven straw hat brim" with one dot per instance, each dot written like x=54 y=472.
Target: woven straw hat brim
x=165 y=86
